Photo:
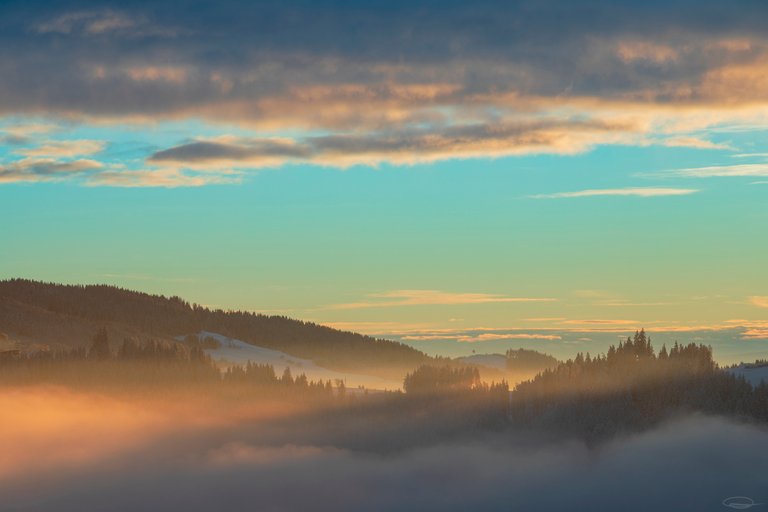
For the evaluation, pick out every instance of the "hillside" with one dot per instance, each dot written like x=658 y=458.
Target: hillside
x=68 y=315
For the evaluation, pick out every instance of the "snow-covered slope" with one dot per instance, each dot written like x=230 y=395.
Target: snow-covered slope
x=753 y=374
x=233 y=351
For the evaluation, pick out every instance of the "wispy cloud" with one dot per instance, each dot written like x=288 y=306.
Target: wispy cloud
x=695 y=142
x=626 y=303
x=629 y=191
x=750 y=155
x=103 y=22
x=93 y=173
x=601 y=322
x=715 y=171
x=17 y=134
x=476 y=338
x=488 y=336
x=399 y=145
x=399 y=298
x=45 y=169
x=167 y=178
x=64 y=149
x=761 y=301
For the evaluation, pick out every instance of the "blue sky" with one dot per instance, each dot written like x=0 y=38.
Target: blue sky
x=495 y=168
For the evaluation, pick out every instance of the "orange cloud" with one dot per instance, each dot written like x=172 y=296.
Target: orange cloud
x=694 y=142
x=501 y=337
x=64 y=148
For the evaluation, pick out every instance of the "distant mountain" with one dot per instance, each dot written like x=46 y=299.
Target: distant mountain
x=68 y=315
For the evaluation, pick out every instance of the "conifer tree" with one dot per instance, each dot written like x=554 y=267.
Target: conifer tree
x=100 y=345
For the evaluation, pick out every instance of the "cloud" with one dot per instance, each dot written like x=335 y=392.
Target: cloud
x=101 y=22
x=17 y=134
x=761 y=301
x=170 y=74
x=507 y=336
x=170 y=178
x=402 y=83
x=601 y=322
x=46 y=169
x=395 y=146
x=398 y=298
x=716 y=171
x=631 y=51
x=694 y=142
x=282 y=49
x=626 y=303
x=475 y=338
x=97 y=174
x=753 y=329
x=64 y=148
x=58 y=160
x=755 y=333
x=233 y=152
x=629 y=191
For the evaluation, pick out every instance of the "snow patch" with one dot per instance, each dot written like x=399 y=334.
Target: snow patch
x=237 y=352
x=754 y=375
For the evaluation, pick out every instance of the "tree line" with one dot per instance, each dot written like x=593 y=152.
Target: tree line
x=158 y=365
x=632 y=387
x=629 y=388
x=160 y=316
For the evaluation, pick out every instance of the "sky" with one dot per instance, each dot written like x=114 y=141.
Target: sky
x=478 y=175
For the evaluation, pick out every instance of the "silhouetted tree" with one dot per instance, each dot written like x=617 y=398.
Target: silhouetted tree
x=100 y=345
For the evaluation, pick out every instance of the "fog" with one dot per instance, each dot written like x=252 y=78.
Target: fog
x=67 y=451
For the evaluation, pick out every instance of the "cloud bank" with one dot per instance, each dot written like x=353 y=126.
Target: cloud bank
x=342 y=84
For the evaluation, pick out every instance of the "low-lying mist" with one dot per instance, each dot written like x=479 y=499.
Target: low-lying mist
x=64 y=450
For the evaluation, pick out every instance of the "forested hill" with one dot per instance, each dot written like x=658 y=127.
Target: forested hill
x=69 y=314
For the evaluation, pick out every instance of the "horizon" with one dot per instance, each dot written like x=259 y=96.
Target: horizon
x=563 y=344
